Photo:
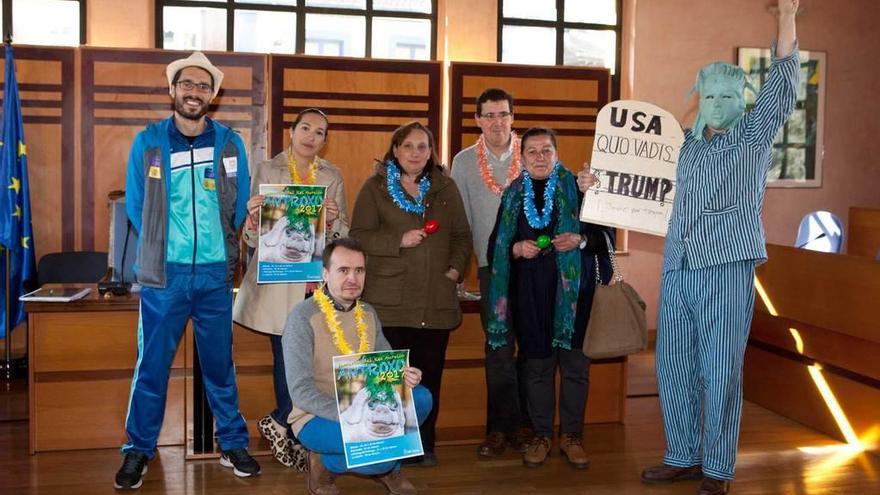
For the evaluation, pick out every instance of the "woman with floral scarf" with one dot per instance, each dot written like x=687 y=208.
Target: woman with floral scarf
x=543 y=263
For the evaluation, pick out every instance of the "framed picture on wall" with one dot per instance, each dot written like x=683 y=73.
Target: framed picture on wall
x=797 y=150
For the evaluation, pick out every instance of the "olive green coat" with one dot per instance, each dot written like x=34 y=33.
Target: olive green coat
x=408 y=286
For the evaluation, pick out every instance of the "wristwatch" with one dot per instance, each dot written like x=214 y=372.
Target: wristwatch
x=583 y=243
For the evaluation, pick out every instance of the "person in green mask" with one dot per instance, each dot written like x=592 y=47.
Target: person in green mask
x=715 y=241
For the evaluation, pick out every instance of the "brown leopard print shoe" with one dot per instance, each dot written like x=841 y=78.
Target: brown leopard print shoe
x=299 y=456
x=278 y=442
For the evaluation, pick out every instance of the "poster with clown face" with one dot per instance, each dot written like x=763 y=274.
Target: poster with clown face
x=291 y=239
x=377 y=414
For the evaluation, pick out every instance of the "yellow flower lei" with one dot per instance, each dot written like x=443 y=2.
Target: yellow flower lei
x=335 y=327
x=294 y=175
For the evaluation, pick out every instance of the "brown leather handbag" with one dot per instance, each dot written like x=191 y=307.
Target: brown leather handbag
x=617 y=325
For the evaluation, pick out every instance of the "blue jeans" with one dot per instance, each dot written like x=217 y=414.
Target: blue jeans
x=325 y=437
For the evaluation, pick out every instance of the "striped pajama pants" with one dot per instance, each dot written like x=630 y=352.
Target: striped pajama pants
x=704 y=322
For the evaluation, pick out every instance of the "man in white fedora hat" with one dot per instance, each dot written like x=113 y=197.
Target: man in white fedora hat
x=186 y=191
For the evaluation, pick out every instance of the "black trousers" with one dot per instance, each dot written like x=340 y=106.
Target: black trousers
x=427 y=352
x=574 y=384
x=505 y=371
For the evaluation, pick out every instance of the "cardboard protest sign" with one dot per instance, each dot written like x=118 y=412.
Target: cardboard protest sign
x=635 y=156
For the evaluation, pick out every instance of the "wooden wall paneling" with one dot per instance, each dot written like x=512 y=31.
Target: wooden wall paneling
x=467 y=342
x=124 y=90
x=365 y=100
x=82 y=364
x=66 y=418
x=836 y=292
x=111 y=345
x=564 y=98
x=46 y=83
x=829 y=300
x=607 y=397
x=252 y=355
x=863 y=233
x=832 y=349
x=784 y=386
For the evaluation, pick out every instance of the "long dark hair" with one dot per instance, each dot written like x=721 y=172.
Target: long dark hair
x=400 y=134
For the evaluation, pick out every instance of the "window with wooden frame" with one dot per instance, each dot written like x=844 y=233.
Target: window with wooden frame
x=44 y=22
x=562 y=32
x=402 y=29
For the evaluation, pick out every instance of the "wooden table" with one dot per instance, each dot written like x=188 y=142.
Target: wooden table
x=822 y=332
x=83 y=355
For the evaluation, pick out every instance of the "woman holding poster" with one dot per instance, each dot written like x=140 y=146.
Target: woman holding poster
x=265 y=307
x=543 y=263
x=410 y=219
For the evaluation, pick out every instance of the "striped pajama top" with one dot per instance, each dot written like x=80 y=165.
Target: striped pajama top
x=716 y=214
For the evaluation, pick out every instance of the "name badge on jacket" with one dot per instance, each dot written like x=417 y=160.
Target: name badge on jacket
x=208 y=182
x=155 y=171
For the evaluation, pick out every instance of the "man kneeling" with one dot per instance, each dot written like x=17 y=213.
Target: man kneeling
x=310 y=340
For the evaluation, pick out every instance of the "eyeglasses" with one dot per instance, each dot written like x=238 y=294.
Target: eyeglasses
x=534 y=153
x=410 y=148
x=187 y=85
x=492 y=115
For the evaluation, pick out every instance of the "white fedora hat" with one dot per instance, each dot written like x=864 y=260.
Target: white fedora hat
x=197 y=59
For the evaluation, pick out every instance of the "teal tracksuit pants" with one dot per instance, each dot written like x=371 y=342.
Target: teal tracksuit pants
x=203 y=293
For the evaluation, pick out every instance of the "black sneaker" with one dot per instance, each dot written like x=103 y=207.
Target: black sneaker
x=131 y=475
x=242 y=464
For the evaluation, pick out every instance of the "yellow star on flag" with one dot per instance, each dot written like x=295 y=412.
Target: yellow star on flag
x=22 y=149
x=24 y=241
x=16 y=184
x=17 y=212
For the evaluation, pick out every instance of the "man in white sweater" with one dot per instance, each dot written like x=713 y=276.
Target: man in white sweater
x=482 y=172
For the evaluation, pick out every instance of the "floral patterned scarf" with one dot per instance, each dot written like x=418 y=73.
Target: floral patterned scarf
x=568 y=263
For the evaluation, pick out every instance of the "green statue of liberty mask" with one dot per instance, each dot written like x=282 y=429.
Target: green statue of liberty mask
x=722 y=105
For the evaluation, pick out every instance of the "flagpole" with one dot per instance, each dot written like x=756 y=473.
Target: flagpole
x=7 y=345
x=10 y=368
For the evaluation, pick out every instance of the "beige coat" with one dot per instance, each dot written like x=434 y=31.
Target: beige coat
x=265 y=307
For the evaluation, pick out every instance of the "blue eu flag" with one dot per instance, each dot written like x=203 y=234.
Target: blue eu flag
x=16 y=232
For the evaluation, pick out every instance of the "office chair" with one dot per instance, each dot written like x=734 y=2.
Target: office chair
x=820 y=231
x=72 y=267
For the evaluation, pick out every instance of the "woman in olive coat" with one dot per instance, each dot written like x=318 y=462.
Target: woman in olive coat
x=410 y=219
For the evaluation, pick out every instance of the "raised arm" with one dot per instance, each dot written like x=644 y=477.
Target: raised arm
x=778 y=94
x=786 y=33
